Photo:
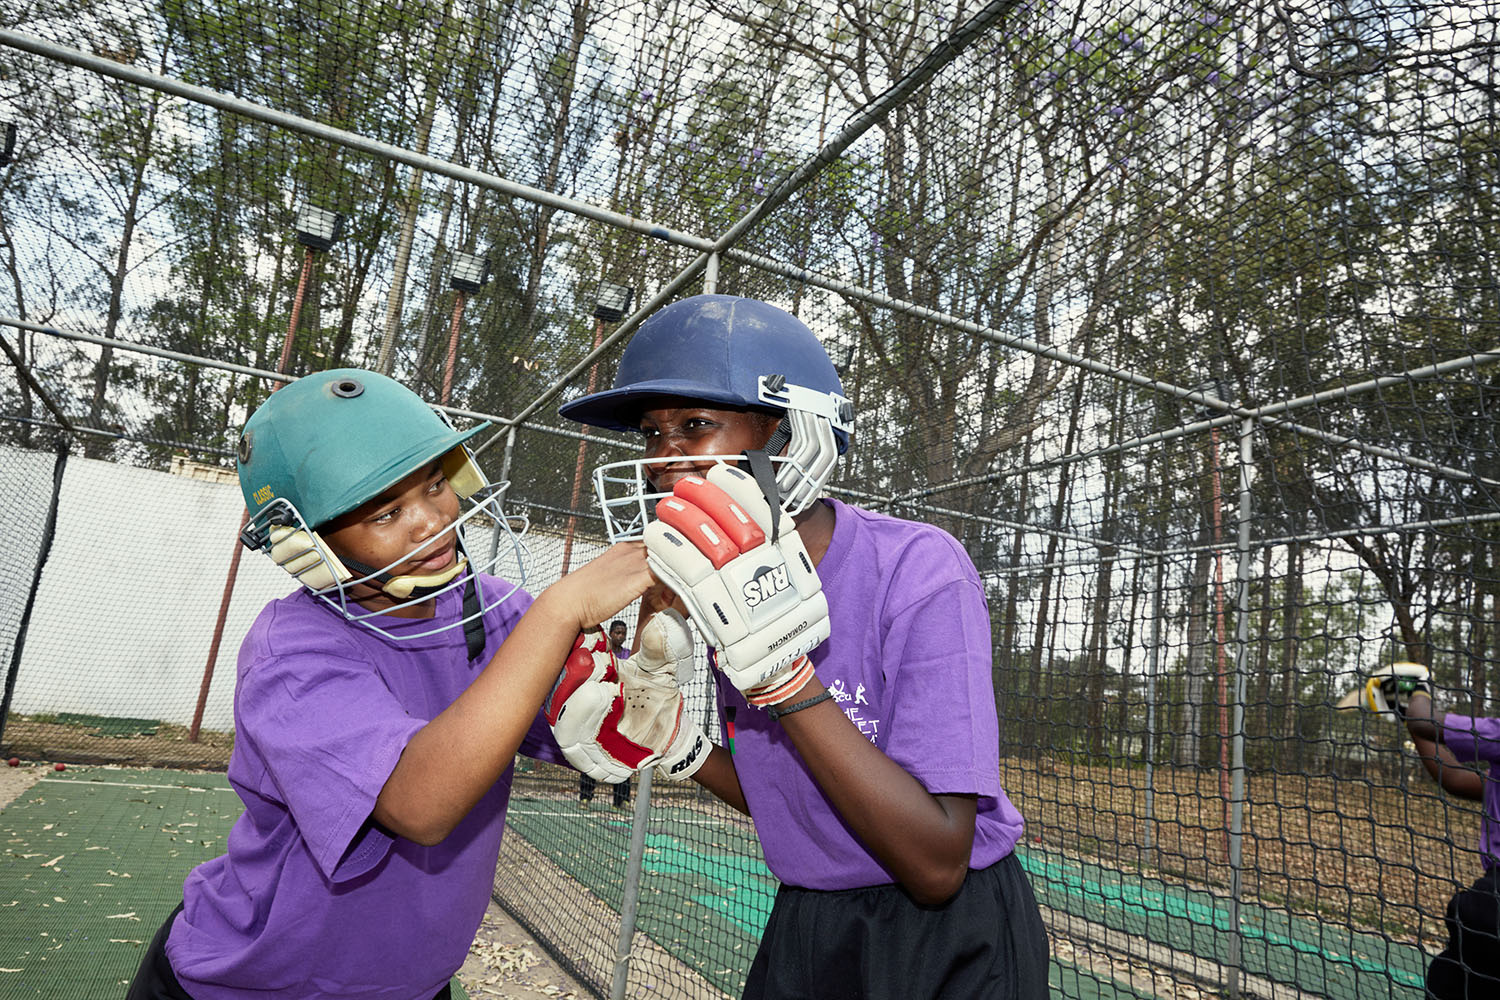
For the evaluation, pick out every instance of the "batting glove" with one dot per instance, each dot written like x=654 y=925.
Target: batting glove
x=755 y=598
x=1390 y=688
x=651 y=683
x=610 y=724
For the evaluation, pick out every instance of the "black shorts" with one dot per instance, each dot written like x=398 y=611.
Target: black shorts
x=876 y=943
x=1469 y=967
x=155 y=980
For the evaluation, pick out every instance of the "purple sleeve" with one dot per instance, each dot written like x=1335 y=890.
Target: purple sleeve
x=539 y=742
x=942 y=725
x=1472 y=737
x=329 y=733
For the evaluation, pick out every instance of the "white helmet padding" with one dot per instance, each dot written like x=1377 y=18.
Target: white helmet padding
x=811 y=445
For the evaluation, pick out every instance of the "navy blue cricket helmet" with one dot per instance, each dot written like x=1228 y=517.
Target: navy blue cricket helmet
x=735 y=352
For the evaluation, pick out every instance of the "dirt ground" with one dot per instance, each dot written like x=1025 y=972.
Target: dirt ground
x=504 y=961
x=1353 y=850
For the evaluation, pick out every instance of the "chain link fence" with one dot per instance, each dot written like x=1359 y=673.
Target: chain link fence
x=1180 y=317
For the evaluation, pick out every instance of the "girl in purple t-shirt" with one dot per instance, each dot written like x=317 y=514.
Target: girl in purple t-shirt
x=870 y=765
x=1470 y=964
x=377 y=709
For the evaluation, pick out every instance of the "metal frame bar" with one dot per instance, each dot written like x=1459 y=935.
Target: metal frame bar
x=349 y=140
x=1123 y=550
x=238 y=369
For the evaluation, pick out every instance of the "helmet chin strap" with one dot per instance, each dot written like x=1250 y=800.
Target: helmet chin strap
x=765 y=477
x=779 y=438
x=765 y=474
x=412 y=586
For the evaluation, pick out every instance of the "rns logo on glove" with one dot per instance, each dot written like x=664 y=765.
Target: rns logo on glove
x=768 y=582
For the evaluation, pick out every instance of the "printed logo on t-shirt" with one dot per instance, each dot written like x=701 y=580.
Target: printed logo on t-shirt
x=851 y=704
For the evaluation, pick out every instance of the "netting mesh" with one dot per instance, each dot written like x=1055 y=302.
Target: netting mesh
x=31 y=479
x=1181 y=317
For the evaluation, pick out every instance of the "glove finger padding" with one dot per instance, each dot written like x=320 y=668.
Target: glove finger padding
x=755 y=598
x=1390 y=688
x=584 y=710
x=652 y=682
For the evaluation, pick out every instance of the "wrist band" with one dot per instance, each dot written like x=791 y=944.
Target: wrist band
x=776 y=713
x=784 y=689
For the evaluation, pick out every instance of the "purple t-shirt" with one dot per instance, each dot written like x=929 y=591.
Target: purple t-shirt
x=909 y=663
x=312 y=900
x=1474 y=739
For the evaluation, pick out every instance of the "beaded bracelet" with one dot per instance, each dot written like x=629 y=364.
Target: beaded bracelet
x=776 y=713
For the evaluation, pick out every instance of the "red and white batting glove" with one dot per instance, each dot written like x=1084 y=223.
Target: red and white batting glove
x=609 y=726
x=651 y=682
x=758 y=601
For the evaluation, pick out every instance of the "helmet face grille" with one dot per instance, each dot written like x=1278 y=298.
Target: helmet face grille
x=281 y=531
x=628 y=499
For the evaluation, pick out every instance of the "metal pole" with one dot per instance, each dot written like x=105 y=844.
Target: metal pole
x=1220 y=639
x=510 y=451
x=663 y=295
x=213 y=646
x=711 y=275
x=1155 y=660
x=867 y=117
x=1229 y=410
x=49 y=532
x=341 y=137
x=567 y=553
x=234 y=559
x=1242 y=653
x=25 y=375
x=510 y=447
x=270 y=376
x=285 y=363
x=631 y=900
x=458 y=312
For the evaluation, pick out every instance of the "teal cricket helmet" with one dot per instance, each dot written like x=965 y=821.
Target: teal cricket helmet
x=330 y=441
x=327 y=443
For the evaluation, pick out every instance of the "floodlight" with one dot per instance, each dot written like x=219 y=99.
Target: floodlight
x=1211 y=387
x=470 y=272
x=612 y=302
x=318 y=228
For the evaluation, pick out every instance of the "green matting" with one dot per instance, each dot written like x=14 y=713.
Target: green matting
x=703 y=903
x=104 y=725
x=95 y=859
x=1321 y=959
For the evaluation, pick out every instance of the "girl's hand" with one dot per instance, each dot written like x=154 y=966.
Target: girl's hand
x=599 y=589
x=660 y=597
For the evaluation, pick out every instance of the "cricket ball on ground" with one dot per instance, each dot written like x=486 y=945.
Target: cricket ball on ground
x=59 y=766
x=14 y=762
